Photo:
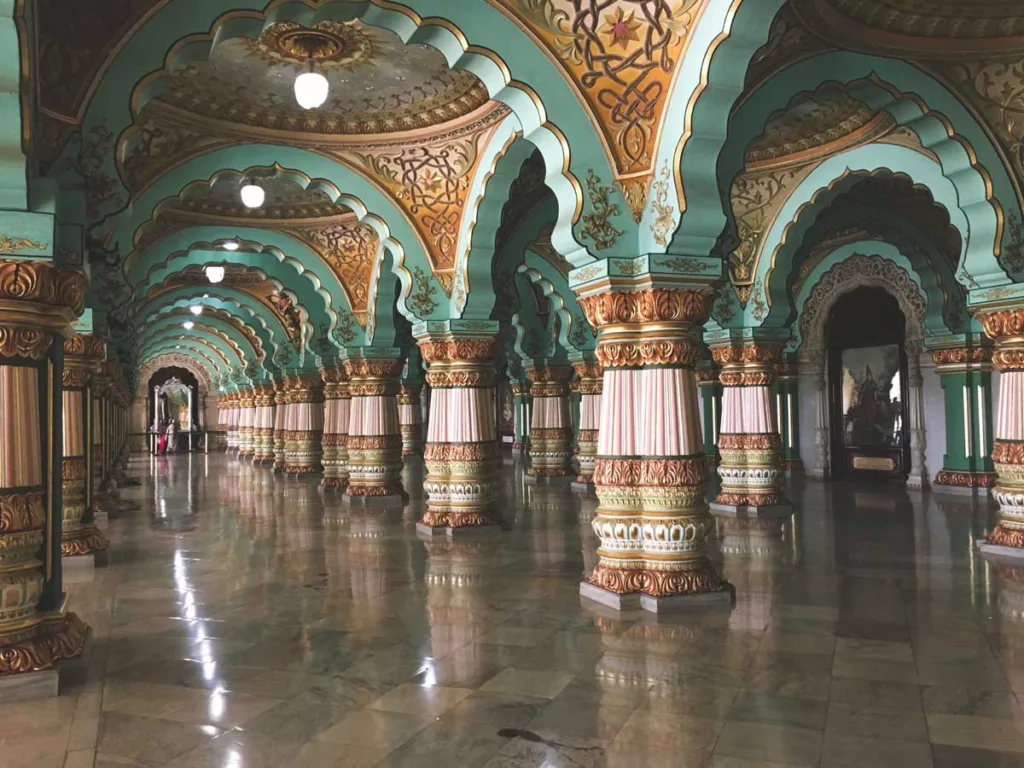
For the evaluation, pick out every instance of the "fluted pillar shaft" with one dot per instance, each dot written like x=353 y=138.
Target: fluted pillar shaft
x=461 y=455
x=550 y=425
x=281 y=422
x=749 y=443
x=590 y=384
x=374 y=433
x=966 y=375
x=246 y=423
x=263 y=427
x=233 y=414
x=305 y=424
x=336 y=418
x=521 y=398
x=1006 y=328
x=650 y=472
x=80 y=536
x=410 y=417
x=38 y=303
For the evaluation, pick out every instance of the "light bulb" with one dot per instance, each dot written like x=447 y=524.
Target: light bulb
x=230 y=245
x=188 y=325
x=196 y=309
x=253 y=196
x=215 y=274
x=311 y=90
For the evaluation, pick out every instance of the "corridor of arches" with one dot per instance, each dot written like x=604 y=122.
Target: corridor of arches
x=712 y=282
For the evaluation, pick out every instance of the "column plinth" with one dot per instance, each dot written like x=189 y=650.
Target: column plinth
x=590 y=385
x=303 y=434
x=650 y=472
x=461 y=454
x=336 y=418
x=749 y=442
x=374 y=433
x=38 y=304
x=1006 y=329
x=410 y=418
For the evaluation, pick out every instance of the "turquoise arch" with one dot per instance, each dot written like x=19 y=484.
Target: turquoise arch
x=915 y=99
x=198 y=353
x=272 y=341
x=563 y=303
x=200 y=344
x=486 y=43
x=221 y=334
x=397 y=234
x=718 y=53
x=937 y=275
x=934 y=324
x=831 y=178
x=513 y=252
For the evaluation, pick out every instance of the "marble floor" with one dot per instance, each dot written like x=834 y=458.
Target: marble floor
x=246 y=621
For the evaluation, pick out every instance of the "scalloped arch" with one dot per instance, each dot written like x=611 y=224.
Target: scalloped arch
x=190 y=364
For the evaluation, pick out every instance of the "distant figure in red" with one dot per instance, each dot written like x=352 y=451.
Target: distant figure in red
x=161 y=447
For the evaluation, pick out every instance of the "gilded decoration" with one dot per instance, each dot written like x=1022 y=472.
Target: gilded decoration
x=459 y=350
x=741 y=355
x=627 y=354
x=661 y=473
x=44 y=283
x=1008 y=452
x=423 y=298
x=622 y=57
x=9 y=244
x=50 y=643
x=962 y=356
x=648 y=306
x=17 y=341
x=596 y=224
x=966 y=479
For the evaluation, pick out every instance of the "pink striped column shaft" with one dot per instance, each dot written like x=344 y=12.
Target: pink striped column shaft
x=650 y=472
x=590 y=385
x=263 y=427
x=233 y=414
x=550 y=424
x=336 y=419
x=281 y=422
x=374 y=433
x=305 y=425
x=246 y=423
x=1006 y=328
x=461 y=455
x=749 y=442
x=411 y=418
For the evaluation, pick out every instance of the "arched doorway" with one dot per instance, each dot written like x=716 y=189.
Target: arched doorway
x=163 y=401
x=865 y=336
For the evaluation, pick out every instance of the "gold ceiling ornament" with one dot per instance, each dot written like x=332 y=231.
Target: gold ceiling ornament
x=10 y=244
x=331 y=43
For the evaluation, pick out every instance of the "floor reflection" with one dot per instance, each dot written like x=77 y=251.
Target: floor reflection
x=250 y=619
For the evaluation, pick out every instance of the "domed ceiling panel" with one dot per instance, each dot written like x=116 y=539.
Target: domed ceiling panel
x=377 y=84
x=284 y=200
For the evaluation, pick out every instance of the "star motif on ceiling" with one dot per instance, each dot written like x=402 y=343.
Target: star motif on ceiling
x=621 y=28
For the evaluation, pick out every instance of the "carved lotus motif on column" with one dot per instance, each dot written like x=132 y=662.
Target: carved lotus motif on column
x=652 y=305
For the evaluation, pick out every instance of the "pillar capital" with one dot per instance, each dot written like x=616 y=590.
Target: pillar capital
x=459 y=362
x=960 y=353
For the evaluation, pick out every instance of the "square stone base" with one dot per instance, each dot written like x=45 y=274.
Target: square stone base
x=618 y=602
x=48 y=683
x=557 y=480
x=956 y=490
x=462 y=532
x=85 y=562
x=583 y=487
x=374 y=502
x=773 y=511
x=1009 y=555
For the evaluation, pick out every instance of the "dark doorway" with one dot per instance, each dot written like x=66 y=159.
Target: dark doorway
x=867 y=363
x=187 y=378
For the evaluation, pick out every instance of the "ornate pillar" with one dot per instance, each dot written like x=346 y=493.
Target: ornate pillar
x=80 y=536
x=282 y=421
x=410 y=418
x=374 y=434
x=751 y=449
x=462 y=438
x=100 y=382
x=233 y=420
x=246 y=422
x=787 y=411
x=818 y=373
x=917 y=478
x=710 y=389
x=965 y=371
x=590 y=382
x=38 y=303
x=263 y=426
x=550 y=427
x=650 y=473
x=306 y=424
x=521 y=395
x=336 y=418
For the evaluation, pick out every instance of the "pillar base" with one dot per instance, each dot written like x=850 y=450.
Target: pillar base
x=83 y=540
x=56 y=656
x=1001 y=553
x=673 y=603
x=579 y=487
x=334 y=483
x=750 y=510
x=964 y=483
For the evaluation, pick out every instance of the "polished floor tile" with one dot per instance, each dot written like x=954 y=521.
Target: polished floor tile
x=249 y=620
